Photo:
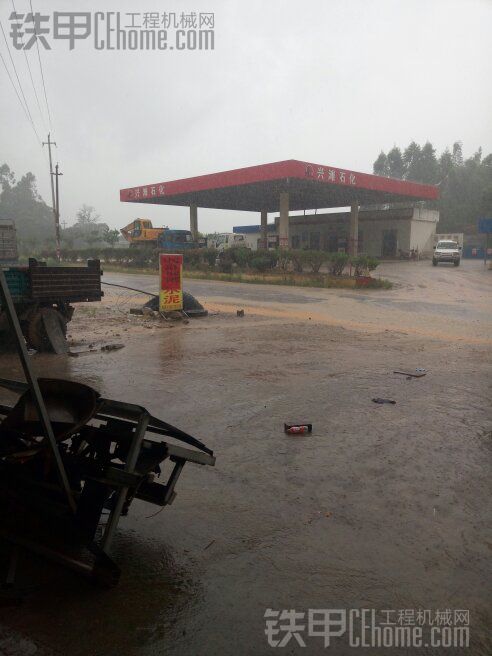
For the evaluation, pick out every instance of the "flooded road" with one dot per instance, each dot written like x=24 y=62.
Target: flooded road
x=382 y=506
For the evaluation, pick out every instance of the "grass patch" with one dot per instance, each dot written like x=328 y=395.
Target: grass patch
x=319 y=280
x=324 y=281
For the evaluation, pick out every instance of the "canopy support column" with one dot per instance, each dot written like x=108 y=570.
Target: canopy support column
x=354 y=229
x=283 y=232
x=194 y=222
x=264 y=230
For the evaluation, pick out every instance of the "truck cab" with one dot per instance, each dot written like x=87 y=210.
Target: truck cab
x=171 y=239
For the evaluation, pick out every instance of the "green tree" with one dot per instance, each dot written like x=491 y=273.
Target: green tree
x=396 y=165
x=380 y=166
x=87 y=214
x=21 y=202
x=465 y=185
x=111 y=237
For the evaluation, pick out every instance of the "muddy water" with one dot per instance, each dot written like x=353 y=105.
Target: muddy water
x=383 y=507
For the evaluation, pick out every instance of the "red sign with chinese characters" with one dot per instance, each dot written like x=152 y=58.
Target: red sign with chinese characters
x=171 y=282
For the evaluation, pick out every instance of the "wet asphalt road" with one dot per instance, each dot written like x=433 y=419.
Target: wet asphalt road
x=384 y=507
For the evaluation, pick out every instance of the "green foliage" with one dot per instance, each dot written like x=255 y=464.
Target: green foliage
x=209 y=256
x=465 y=184
x=87 y=214
x=21 y=202
x=111 y=236
x=297 y=259
x=240 y=255
x=263 y=261
x=191 y=257
x=284 y=258
x=260 y=263
x=337 y=263
x=314 y=259
x=363 y=264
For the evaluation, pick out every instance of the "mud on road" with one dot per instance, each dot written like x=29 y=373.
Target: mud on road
x=382 y=506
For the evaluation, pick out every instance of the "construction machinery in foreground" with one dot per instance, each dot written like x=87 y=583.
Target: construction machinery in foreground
x=72 y=462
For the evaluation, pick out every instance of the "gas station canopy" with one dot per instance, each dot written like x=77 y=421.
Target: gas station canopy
x=258 y=188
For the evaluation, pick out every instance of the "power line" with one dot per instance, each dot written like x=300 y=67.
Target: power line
x=18 y=81
x=40 y=64
x=17 y=94
x=30 y=73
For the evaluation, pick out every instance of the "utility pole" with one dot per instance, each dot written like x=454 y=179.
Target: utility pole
x=50 y=143
x=57 y=212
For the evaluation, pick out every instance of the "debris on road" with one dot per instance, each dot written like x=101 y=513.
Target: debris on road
x=240 y=313
x=381 y=401
x=298 y=428
x=417 y=373
x=112 y=347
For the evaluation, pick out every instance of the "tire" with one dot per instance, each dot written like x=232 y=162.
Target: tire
x=35 y=332
x=434 y=262
x=456 y=262
x=191 y=305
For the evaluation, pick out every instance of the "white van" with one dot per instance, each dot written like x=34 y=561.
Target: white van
x=225 y=240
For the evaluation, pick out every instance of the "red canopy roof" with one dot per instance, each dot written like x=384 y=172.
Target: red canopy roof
x=257 y=188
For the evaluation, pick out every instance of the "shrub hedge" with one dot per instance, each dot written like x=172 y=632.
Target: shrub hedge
x=239 y=258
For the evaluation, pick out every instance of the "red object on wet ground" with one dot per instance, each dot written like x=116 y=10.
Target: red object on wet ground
x=298 y=428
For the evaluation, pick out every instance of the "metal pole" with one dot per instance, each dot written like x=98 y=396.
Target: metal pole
x=57 y=214
x=50 y=143
x=131 y=461
x=8 y=306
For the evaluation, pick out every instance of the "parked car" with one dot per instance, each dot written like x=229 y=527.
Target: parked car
x=446 y=251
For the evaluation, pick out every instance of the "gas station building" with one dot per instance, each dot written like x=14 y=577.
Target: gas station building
x=292 y=186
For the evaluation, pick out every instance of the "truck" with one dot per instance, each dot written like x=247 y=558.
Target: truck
x=142 y=233
x=43 y=297
x=8 y=242
x=171 y=240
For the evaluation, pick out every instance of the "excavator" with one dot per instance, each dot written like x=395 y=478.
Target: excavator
x=141 y=233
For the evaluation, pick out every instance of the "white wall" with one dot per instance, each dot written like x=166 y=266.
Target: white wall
x=423 y=230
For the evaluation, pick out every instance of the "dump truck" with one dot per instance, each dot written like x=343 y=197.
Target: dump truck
x=43 y=297
x=8 y=242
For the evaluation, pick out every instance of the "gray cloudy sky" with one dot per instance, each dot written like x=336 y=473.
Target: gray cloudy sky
x=329 y=81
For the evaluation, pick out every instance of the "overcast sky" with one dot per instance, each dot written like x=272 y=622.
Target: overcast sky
x=328 y=81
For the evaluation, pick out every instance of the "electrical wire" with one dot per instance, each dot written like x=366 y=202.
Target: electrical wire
x=30 y=74
x=19 y=83
x=41 y=66
x=132 y=289
x=17 y=94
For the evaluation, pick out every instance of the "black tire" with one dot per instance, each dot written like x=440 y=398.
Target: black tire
x=456 y=262
x=191 y=305
x=35 y=332
x=434 y=262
